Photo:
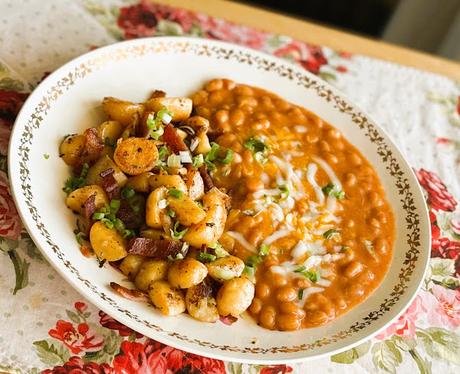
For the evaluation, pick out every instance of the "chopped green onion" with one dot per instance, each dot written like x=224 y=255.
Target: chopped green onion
x=114 y=205
x=127 y=192
x=118 y=224
x=254 y=260
x=331 y=189
x=174 y=192
x=228 y=157
x=74 y=183
x=221 y=252
x=256 y=145
x=84 y=170
x=127 y=234
x=264 y=250
x=171 y=213
x=98 y=216
x=174 y=161
x=46 y=156
x=163 y=151
x=313 y=276
x=164 y=115
x=108 y=223
x=284 y=191
x=329 y=234
x=155 y=126
x=198 y=160
x=206 y=257
x=80 y=236
x=249 y=271
x=212 y=154
x=175 y=233
x=300 y=294
x=258 y=148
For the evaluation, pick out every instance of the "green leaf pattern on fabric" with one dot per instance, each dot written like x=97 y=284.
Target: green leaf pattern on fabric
x=350 y=356
x=386 y=356
x=51 y=352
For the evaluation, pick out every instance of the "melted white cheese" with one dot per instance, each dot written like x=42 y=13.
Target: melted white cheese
x=242 y=240
x=276 y=235
x=330 y=173
x=311 y=171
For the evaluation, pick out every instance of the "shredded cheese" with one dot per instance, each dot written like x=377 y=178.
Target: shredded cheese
x=330 y=173
x=311 y=171
x=241 y=239
x=276 y=235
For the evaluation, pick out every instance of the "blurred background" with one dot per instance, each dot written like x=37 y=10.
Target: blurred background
x=432 y=26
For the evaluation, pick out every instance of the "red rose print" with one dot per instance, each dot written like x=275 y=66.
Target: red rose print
x=141 y=20
x=438 y=196
x=277 y=369
x=310 y=57
x=112 y=324
x=77 y=340
x=10 y=104
x=76 y=365
x=446 y=248
x=5 y=132
x=81 y=307
x=153 y=357
x=137 y=358
x=10 y=224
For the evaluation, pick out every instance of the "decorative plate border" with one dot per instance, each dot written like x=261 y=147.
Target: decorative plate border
x=225 y=51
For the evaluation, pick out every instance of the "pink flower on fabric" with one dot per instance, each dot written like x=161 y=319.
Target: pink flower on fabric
x=220 y=29
x=443 y=305
x=309 y=57
x=438 y=196
x=405 y=325
x=76 y=339
x=10 y=224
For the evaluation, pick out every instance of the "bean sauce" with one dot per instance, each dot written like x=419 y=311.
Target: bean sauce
x=301 y=191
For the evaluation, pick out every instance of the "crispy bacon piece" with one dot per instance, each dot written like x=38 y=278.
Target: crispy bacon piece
x=158 y=248
x=128 y=293
x=89 y=206
x=207 y=180
x=131 y=219
x=173 y=140
x=94 y=145
x=109 y=184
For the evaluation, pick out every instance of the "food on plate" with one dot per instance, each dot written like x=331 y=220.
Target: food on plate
x=229 y=201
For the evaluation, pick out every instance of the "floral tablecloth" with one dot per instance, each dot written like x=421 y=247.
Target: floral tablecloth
x=46 y=326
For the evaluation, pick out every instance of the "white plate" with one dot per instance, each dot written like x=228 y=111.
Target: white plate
x=67 y=102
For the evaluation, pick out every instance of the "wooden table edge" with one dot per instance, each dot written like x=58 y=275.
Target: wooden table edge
x=321 y=35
